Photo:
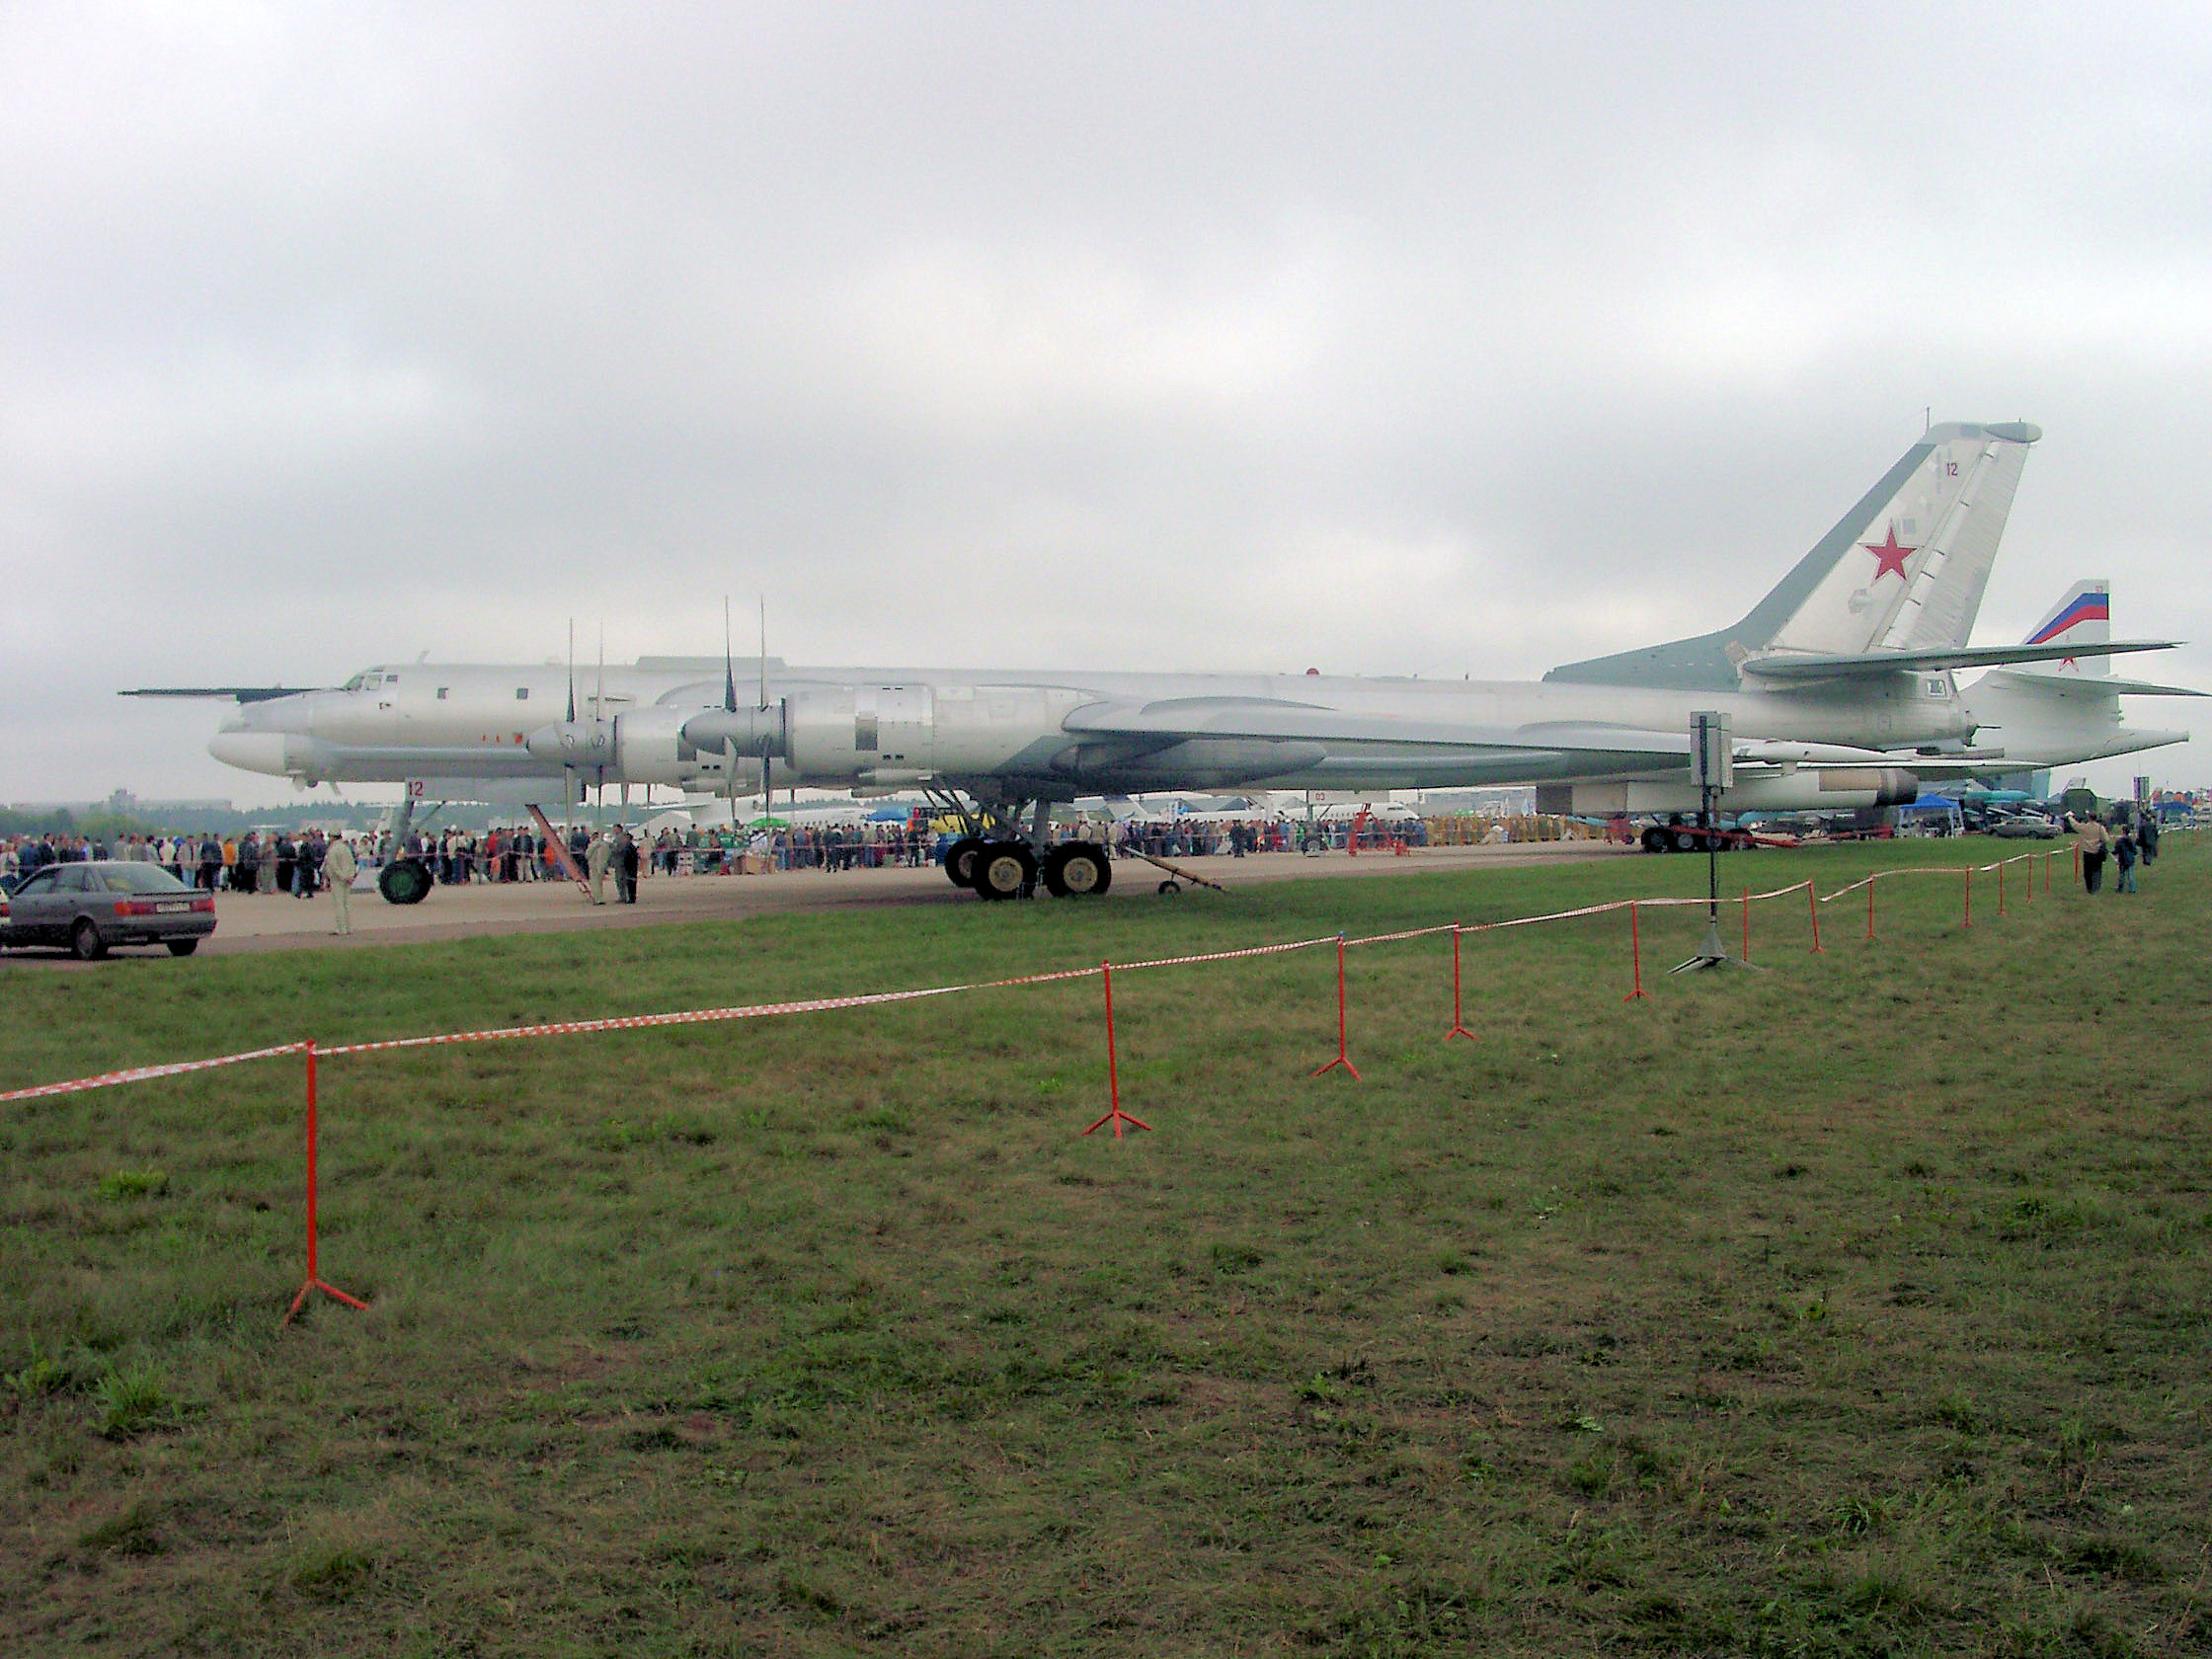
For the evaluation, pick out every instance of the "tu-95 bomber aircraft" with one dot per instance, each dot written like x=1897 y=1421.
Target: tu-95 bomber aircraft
x=1841 y=685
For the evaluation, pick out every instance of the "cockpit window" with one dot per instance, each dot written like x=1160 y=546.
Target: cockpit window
x=355 y=684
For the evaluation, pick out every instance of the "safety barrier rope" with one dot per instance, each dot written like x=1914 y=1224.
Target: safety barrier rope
x=145 y=1073
x=820 y=1005
x=1918 y=870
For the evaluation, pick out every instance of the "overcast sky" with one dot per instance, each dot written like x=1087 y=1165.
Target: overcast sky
x=1373 y=338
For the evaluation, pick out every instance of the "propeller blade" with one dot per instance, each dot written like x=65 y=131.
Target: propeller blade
x=729 y=663
x=572 y=670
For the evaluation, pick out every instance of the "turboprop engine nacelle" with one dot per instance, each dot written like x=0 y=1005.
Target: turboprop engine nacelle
x=650 y=747
x=886 y=735
x=1801 y=789
x=573 y=743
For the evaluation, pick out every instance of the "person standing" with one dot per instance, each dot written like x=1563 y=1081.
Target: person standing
x=2147 y=837
x=2124 y=855
x=340 y=867
x=626 y=876
x=2093 y=843
x=596 y=861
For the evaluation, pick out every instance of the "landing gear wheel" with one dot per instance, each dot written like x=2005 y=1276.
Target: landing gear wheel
x=182 y=947
x=1655 y=840
x=1075 y=870
x=85 y=942
x=1684 y=841
x=959 y=860
x=1170 y=887
x=1005 y=870
x=404 y=882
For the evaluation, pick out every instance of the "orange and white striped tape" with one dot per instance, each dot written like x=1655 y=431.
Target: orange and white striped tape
x=145 y=1073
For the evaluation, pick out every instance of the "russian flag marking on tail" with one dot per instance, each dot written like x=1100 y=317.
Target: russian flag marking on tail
x=2083 y=617
x=2086 y=606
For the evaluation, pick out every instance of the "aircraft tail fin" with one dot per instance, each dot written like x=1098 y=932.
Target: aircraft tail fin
x=2083 y=617
x=1903 y=570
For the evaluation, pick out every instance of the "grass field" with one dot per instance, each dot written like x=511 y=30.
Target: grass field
x=1858 y=1307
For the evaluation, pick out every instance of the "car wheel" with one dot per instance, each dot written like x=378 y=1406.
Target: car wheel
x=182 y=947
x=85 y=941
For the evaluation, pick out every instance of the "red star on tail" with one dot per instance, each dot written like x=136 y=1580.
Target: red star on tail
x=1889 y=558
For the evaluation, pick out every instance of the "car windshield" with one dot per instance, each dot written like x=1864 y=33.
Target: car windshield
x=137 y=878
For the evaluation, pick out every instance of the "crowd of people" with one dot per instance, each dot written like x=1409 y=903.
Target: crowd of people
x=250 y=863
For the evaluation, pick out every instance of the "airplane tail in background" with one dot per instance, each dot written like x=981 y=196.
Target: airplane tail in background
x=2065 y=708
x=2083 y=617
x=1903 y=571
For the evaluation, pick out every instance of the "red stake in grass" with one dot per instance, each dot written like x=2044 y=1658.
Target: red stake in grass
x=1343 y=1058
x=1870 y=909
x=1812 y=904
x=315 y=1279
x=1114 y=1113
x=1458 y=1023
x=1635 y=957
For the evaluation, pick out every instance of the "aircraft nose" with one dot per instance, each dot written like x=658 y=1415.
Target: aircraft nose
x=251 y=752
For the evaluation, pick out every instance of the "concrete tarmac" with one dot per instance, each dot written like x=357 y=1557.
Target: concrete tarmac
x=278 y=921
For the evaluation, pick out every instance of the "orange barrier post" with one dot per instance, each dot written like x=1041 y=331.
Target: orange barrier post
x=314 y=1280
x=1635 y=958
x=1969 y=921
x=1343 y=1058
x=1812 y=904
x=1114 y=1113
x=1458 y=1021
x=1870 y=909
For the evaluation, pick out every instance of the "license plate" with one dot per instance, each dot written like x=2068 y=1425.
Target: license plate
x=171 y=910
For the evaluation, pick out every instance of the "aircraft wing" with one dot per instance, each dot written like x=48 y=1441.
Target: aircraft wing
x=1868 y=664
x=1179 y=719
x=236 y=694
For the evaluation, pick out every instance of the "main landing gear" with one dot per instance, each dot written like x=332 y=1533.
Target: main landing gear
x=999 y=861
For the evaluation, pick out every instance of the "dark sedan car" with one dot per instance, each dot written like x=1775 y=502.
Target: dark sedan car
x=89 y=907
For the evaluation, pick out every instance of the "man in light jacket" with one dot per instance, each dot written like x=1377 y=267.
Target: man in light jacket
x=339 y=868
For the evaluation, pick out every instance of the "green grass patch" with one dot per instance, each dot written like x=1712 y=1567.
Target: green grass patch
x=1854 y=1307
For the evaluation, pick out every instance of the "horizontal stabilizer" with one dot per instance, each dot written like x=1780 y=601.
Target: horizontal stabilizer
x=2093 y=685
x=1872 y=664
x=2149 y=688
